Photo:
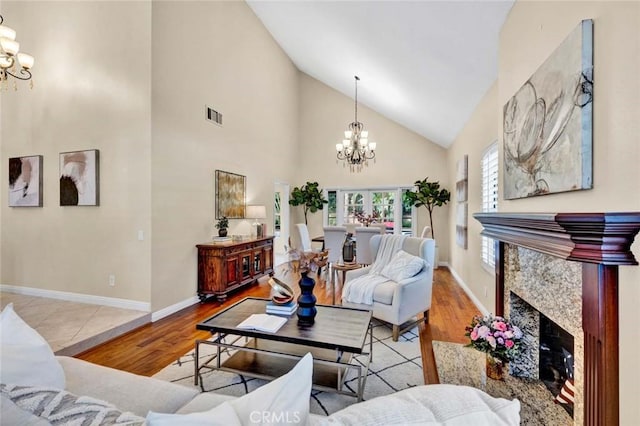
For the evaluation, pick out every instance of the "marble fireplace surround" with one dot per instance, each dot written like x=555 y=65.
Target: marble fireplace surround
x=600 y=243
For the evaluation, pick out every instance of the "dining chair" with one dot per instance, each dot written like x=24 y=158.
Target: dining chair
x=333 y=239
x=363 y=249
x=425 y=232
x=301 y=239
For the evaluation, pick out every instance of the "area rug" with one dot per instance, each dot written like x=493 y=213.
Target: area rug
x=395 y=366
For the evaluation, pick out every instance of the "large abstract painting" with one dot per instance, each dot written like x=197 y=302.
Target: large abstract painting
x=79 y=178
x=230 y=195
x=25 y=181
x=548 y=123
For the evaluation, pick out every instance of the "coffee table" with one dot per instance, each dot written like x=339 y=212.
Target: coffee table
x=338 y=337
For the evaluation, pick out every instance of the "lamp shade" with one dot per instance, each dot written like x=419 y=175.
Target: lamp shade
x=26 y=61
x=256 y=212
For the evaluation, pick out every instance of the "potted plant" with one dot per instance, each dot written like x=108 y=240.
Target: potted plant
x=309 y=196
x=222 y=225
x=430 y=195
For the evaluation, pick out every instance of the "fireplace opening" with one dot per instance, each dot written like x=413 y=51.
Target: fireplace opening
x=556 y=362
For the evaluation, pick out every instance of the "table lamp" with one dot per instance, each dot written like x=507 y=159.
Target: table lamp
x=256 y=212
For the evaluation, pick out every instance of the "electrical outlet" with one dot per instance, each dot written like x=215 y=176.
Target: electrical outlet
x=140 y=235
x=112 y=280
x=485 y=291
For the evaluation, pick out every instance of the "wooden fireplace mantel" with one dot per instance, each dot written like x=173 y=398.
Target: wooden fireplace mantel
x=602 y=242
x=603 y=238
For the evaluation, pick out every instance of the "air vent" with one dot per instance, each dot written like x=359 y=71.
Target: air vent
x=213 y=115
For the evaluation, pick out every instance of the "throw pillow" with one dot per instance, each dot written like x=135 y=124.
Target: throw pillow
x=222 y=415
x=402 y=266
x=284 y=401
x=448 y=405
x=63 y=408
x=26 y=357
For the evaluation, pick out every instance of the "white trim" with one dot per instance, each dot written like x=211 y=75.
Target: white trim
x=172 y=309
x=467 y=290
x=78 y=297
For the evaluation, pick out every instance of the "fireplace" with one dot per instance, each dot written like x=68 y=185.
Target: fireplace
x=566 y=266
x=556 y=359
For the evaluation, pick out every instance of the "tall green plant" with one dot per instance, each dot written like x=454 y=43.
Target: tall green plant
x=309 y=196
x=430 y=195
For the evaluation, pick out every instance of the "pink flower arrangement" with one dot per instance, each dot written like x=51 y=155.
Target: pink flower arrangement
x=495 y=336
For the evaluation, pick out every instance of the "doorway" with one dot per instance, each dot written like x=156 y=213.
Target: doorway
x=280 y=221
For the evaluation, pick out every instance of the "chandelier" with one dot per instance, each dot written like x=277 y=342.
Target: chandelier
x=355 y=148
x=10 y=57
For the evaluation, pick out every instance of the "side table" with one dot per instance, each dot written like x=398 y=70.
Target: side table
x=344 y=267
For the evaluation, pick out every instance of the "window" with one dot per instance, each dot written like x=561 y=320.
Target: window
x=489 y=198
x=388 y=204
x=332 y=208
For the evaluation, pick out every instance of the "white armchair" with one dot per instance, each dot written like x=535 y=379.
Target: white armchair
x=398 y=302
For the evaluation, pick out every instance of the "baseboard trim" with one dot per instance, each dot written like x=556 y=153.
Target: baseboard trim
x=172 y=309
x=467 y=290
x=78 y=297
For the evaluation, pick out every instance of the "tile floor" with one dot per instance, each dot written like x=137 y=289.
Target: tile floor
x=70 y=327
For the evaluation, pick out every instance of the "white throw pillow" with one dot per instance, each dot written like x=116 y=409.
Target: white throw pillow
x=222 y=415
x=402 y=266
x=284 y=401
x=27 y=359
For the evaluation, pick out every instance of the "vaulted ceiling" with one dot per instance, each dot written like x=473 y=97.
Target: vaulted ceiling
x=423 y=64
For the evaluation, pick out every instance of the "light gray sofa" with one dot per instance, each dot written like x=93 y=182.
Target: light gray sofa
x=139 y=395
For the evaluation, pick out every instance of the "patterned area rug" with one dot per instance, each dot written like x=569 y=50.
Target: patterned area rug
x=395 y=366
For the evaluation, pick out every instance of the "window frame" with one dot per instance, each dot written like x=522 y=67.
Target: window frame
x=367 y=192
x=489 y=199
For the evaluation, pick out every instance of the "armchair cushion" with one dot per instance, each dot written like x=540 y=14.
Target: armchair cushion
x=402 y=266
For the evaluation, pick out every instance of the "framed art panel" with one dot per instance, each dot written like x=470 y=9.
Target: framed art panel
x=230 y=195
x=80 y=178
x=25 y=181
x=462 y=194
x=548 y=123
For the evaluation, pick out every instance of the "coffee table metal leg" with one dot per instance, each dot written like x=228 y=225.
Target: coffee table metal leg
x=197 y=355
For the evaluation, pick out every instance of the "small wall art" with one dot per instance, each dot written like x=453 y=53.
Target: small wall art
x=462 y=189
x=230 y=195
x=548 y=123
x=80 y=178
x=25 y=181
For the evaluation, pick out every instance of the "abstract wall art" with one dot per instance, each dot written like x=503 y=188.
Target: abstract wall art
x=80 y=178
x=462 y=190
x=25 y=181
x=230 y=195
x=547 y=124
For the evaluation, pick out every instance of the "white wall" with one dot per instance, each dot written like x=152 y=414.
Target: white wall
x=91 y=90
x=478 y=133
x=532 y=31
x=218 y=54
x=402 y=157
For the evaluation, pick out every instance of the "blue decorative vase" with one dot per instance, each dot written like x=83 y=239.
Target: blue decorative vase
x=306 y=301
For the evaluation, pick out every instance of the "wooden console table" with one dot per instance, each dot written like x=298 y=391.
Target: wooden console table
x=226 y=266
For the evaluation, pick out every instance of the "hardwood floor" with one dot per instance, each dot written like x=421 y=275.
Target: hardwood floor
x=152 y=347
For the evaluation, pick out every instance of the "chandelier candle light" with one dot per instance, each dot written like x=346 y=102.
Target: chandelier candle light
x=355 y=148
x=10 y=56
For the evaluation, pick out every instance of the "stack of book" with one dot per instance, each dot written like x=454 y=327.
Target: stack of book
x=286 y=309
